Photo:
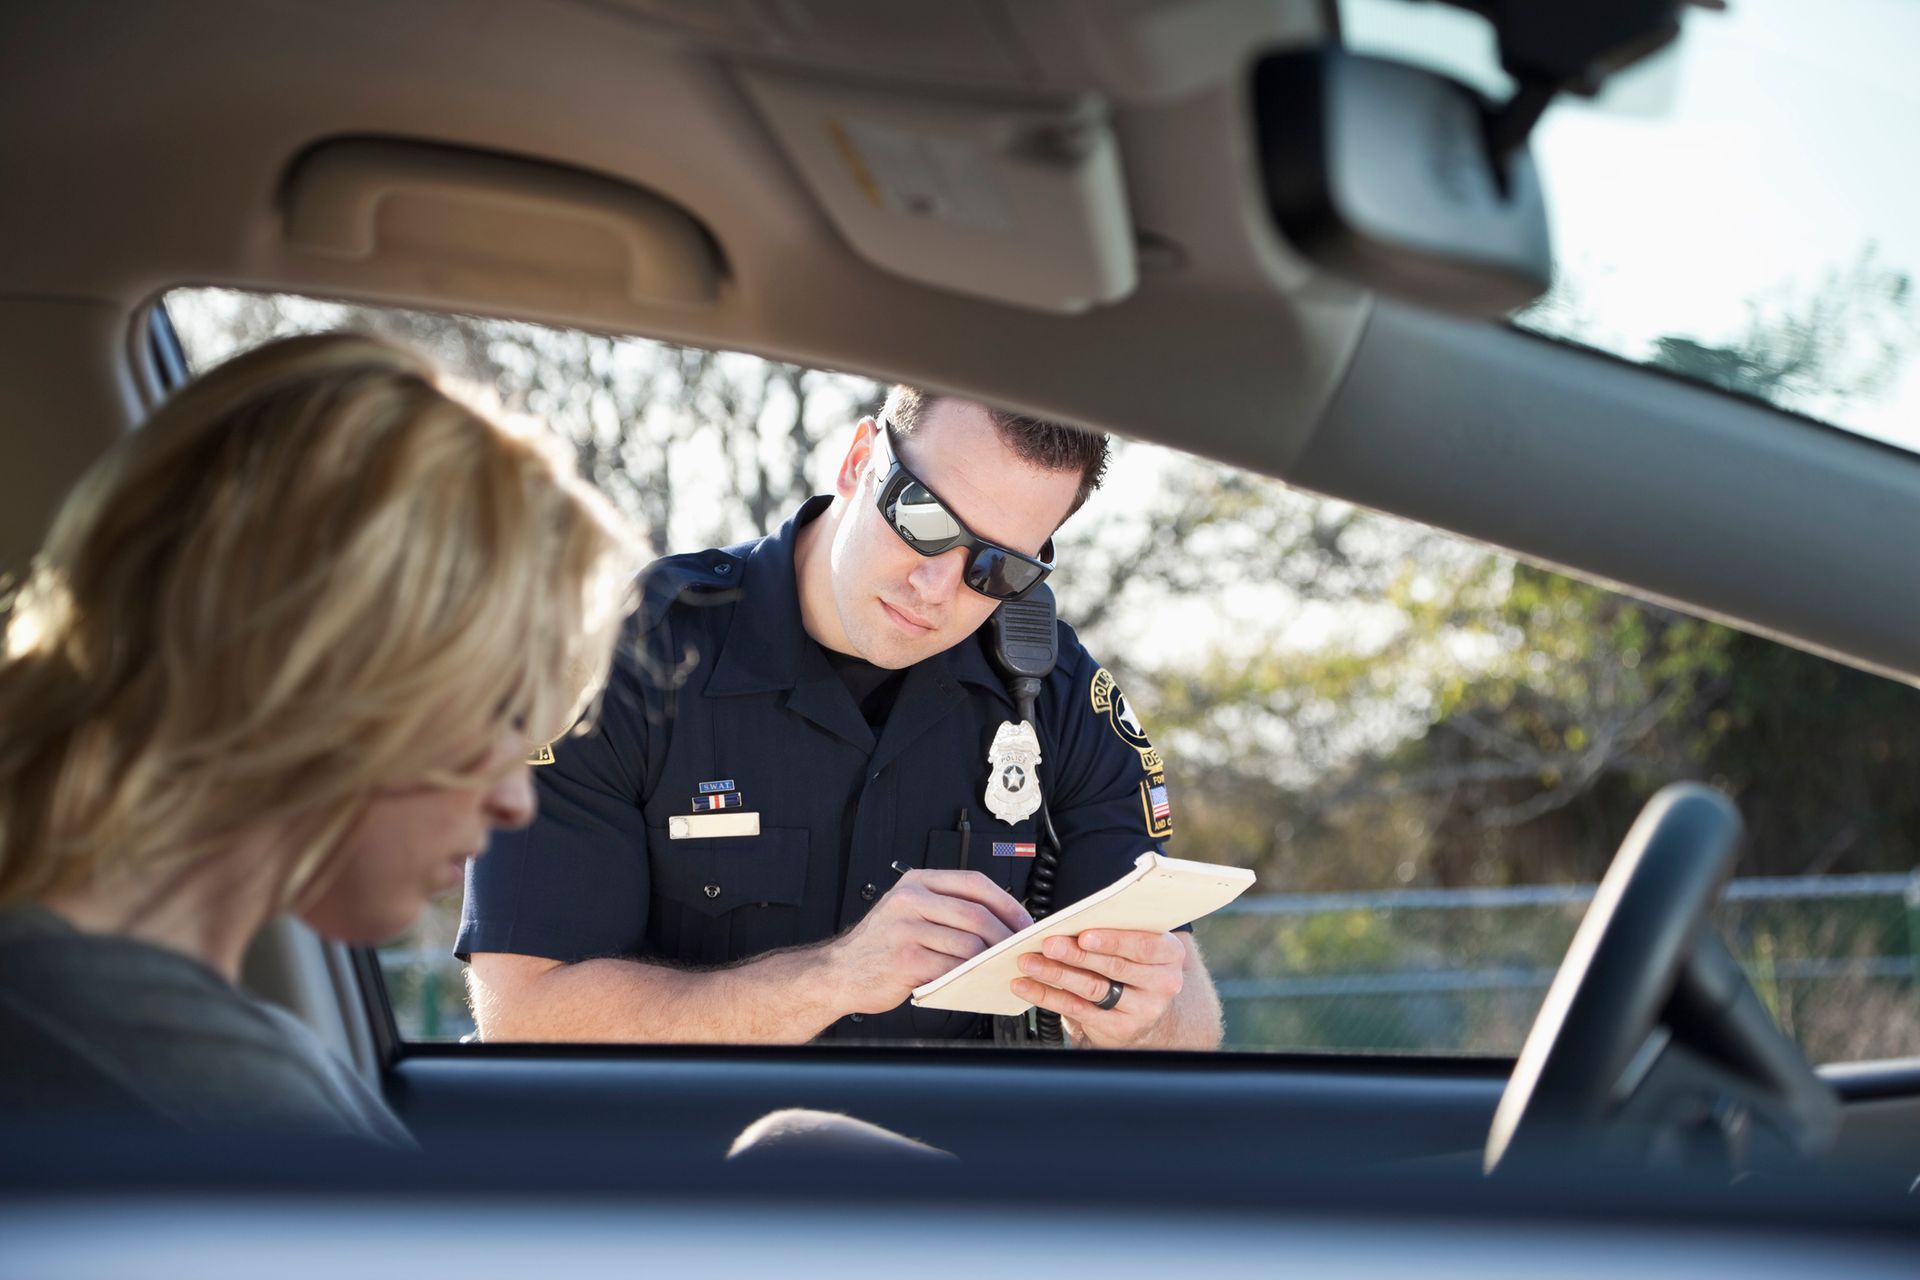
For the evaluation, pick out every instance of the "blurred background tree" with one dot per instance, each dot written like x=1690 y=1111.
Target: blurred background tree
x=1346 y=701
x=1501 y=723
x=658 y=428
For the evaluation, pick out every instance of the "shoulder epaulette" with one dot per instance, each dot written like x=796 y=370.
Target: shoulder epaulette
x=671 y=579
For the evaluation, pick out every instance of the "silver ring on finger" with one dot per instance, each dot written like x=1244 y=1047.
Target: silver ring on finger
x=1112 y=997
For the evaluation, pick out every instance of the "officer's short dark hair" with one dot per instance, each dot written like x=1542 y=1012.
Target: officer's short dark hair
x=1051 y=446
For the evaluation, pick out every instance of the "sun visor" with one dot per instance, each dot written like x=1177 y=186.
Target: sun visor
x=466 y=228
x=1021 y=204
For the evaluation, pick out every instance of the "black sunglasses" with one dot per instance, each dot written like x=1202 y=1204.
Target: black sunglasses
x=928 y=526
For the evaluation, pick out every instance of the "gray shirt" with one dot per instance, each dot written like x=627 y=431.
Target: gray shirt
x=99 y=1023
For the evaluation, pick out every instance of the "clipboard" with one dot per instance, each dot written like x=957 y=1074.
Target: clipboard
x=1160 y=893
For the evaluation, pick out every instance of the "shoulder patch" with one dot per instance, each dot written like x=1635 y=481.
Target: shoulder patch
x=1156 y=813
x=1109 y=702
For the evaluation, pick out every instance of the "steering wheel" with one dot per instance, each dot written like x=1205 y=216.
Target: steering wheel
x=1621 y=971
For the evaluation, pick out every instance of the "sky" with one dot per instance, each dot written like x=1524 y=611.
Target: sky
x=1766 y=149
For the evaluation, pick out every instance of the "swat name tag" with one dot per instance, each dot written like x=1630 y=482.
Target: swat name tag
x=705 y=826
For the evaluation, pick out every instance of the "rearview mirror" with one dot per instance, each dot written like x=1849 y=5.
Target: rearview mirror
x=1385 y=174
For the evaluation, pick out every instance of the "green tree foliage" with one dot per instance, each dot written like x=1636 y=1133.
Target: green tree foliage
x=1345 y=701
x=1388 y=706
x=1503 y=724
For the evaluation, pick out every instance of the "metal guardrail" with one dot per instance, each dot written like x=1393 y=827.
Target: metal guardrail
x=1410 y=982
x=1560 y=895
x=1804 y=888
x=1448 y=981
x=442 y=1011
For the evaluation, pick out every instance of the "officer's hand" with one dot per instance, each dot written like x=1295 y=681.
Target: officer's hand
x=1074 y=972
x=927 y=923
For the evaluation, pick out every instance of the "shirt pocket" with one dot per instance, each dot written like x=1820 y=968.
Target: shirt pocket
x=720 y=900
x=1009 y=872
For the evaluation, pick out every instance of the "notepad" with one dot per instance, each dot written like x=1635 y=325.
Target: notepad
x=1160 y=893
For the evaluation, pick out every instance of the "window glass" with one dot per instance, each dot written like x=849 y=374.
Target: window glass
x=1428 y=752
x=1739 y=208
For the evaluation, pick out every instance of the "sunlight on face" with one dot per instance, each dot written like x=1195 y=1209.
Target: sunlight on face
x=898 y=607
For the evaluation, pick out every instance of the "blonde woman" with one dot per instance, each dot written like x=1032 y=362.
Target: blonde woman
x=286 y=650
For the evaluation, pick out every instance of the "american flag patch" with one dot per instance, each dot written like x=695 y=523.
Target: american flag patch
x=1011 y=849
x=1157 y=801
x=731 y=800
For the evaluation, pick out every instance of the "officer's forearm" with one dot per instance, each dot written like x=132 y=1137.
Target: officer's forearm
x=779 y=998
x=1194 y=1022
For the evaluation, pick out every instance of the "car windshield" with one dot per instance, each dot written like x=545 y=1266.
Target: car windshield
x=1739 y=209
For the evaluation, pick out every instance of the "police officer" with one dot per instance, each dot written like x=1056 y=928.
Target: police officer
x=807 y=790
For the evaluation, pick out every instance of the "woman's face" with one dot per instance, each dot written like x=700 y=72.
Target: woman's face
x=413 y=842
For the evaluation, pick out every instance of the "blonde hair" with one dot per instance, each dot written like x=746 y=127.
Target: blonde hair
x=311 y=576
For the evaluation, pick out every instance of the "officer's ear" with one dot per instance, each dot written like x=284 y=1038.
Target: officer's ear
x=858 y=457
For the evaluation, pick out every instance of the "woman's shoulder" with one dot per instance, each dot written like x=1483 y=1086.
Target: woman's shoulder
x=113 y=1020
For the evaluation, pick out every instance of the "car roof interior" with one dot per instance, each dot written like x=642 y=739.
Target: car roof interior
x=628 y=165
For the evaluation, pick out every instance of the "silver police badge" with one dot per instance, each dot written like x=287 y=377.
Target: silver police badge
x=1013 y=775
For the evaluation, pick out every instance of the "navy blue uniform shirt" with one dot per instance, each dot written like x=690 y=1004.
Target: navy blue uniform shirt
x=724 y=703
